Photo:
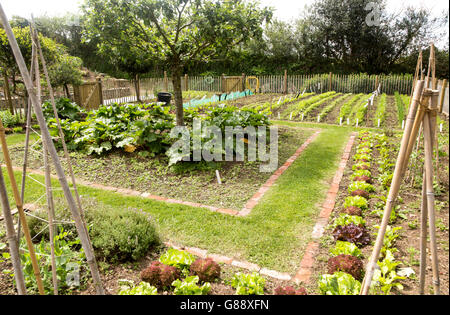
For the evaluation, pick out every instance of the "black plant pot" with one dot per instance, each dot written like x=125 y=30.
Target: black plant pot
x=164 y=98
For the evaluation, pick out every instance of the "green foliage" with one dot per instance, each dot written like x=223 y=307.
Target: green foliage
x=189 y=287
x=347 y=107
x=67 y=70
x=117 y=234
x=385 y=279
x=360 y=186
x=9 y=120
x=346 y=248
x=65 y=108
x=127 y=127
x=340 y=283
x=380 y=114
x=248 y=284
x=128 y=288
x=345 y=219
x=356 y=201
x=220 y=117
x=401 y=108
x=206 y=269
x=361 y=173
x=70 y=263
x=177 y=258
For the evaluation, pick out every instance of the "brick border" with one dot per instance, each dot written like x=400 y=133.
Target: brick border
x=252 y=203
x=307 y=264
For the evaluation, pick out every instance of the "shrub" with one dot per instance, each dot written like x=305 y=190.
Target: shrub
x=346 y=263
x=289 y=291
x=177 y=258
x=340 y=283
x=352 y=233
x=346 y=248
x=206 y=269
x=248 y=284
x=160 y=275
x=189 y=287
x=9 y=120
x=356 y=201
x=117 y=235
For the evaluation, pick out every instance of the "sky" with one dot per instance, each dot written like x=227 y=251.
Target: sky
x=285 y=9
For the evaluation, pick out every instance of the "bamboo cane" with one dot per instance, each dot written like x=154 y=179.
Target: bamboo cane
x=431 y=200
x=81 y=228
x=393 y=193
x=423 y=237
x=58 y=122
x=27 y=136
x=19 y=206
x=51 y=215
x=12 y=238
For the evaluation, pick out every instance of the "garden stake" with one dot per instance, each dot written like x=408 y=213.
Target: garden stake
x=393 y=193
x=423 y=237
x=27 y=137
x=48 y=179
x=58 y=122
x=19 y=206
x=51 y=216
x=12 y=238
x=81 y=228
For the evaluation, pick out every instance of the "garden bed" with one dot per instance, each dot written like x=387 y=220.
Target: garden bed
x=196 y=182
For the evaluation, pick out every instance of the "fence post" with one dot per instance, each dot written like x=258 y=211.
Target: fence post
x=330 y=82
x=100 y=90
x=166 y=82
x=186 y=81
x=376 y=83
x=285 y=82
x=224 y=88
x=243 y=82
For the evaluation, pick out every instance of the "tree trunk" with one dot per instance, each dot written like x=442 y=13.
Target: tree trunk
x=8 y=94
x=66 y=89
x=137 y=87
x=176 y=80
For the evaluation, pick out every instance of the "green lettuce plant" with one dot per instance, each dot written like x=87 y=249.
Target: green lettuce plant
x=248 y=284
x=189 y=287
x=346 y=248
x=339 y=283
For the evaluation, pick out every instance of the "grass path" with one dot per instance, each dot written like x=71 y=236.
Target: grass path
x=273 y=236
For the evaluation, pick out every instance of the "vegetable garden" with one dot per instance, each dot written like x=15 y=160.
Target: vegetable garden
x=118 y=200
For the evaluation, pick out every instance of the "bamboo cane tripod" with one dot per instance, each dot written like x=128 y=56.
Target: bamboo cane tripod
x=75 y=208
x=423 y=113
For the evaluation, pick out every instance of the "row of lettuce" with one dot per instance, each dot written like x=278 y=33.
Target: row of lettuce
x=350 y=229
x=180 y=273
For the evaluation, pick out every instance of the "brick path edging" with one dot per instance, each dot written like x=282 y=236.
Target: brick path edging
x=252 y=203
x=307 y=264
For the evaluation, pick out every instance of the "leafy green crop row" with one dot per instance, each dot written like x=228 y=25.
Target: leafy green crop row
x=347 y=107
x=380 y=114
x=298 y=108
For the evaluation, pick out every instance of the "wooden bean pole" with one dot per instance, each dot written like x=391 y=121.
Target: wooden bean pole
x=12 y=238
x=81 y=228
x=395 y=187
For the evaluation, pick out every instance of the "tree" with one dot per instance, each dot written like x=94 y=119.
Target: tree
x=67 y=70
x=176 y=33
